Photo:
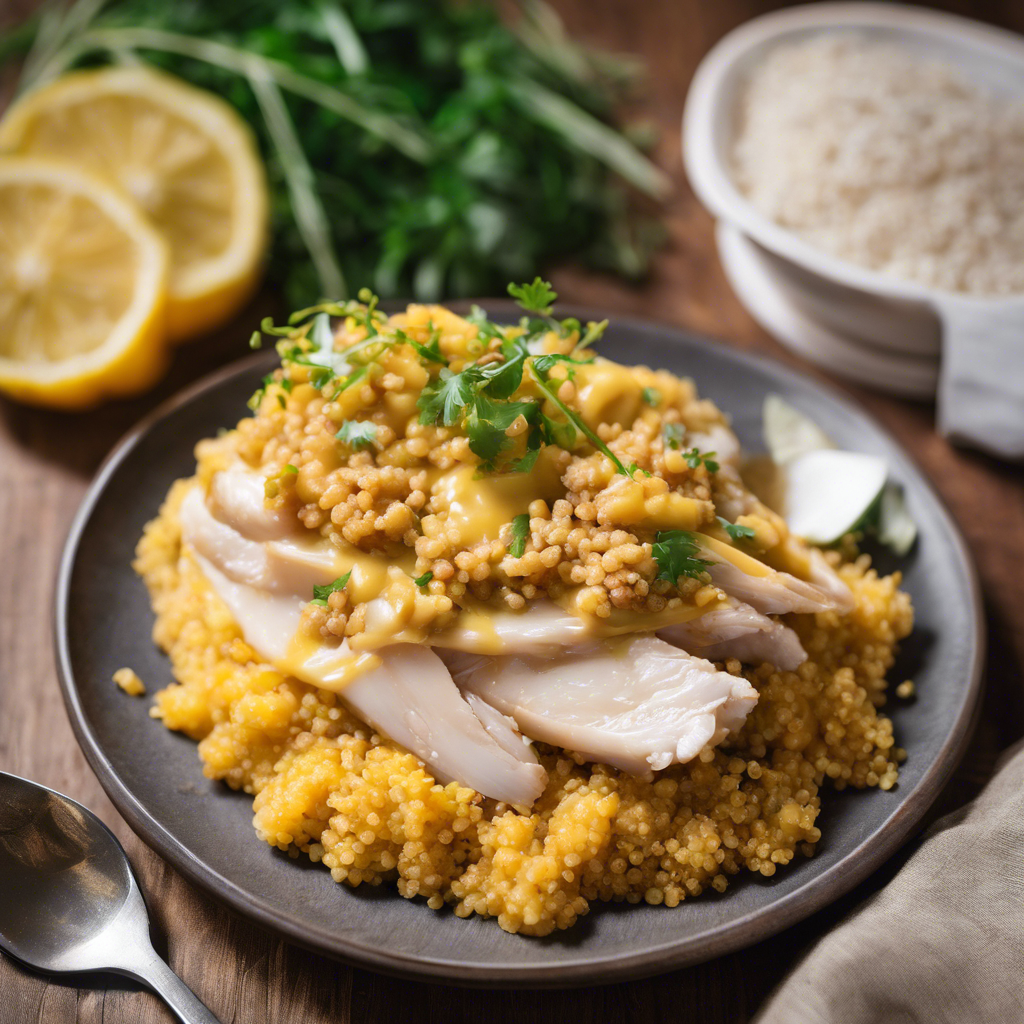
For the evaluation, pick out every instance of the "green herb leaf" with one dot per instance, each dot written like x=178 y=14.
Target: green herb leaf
x=537 y=297
x=673 y=435
x=652 y=396
x=520 y=533
x=575 y=419
x=443 y=400
x=358 y=434
x=487 y=422
x=676 y=552
x=695 y=458
x=321 y=594
x=735 y=531
x=422 y=581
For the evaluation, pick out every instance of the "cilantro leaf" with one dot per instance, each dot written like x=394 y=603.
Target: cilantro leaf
x=735 y=531
x=676 y=553
x=673 y=435
x=485 y=328
x=442 y=400
x=520 y=531
x=652 y=397
x=321 y=594
x=503 y=379
x=574 y=418
x=694 y=457
x=525 y=464
x=358 y=434
x=487 y=422
x=422 y=581
x=534 y=298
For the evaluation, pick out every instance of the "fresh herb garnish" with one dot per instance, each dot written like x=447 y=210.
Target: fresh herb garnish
x=520 y=532
x=358 y=434
x=735 y=530
x=272 y=485
x=537 y=297
x=694 y=458
x=576 y=420
x=321 y=594
x=651 y=396
x=676 y=552
x=403 y=136
x=673 y=435
x=422 y=581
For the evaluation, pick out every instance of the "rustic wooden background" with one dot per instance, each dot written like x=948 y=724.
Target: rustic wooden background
x=246 y=974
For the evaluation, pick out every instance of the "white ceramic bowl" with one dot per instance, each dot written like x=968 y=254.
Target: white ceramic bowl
x=981 y=386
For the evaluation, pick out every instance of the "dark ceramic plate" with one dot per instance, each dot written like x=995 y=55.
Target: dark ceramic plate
x=103 y=621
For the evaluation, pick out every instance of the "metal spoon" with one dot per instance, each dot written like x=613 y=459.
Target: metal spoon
x=68 y=899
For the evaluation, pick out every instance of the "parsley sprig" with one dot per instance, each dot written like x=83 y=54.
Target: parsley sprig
x=321 y=594
x=735 y=530
x=677 y=554
x=520 y=533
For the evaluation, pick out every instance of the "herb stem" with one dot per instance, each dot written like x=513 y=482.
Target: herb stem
x=577 y=421
x=310 y=216
x=243 y=62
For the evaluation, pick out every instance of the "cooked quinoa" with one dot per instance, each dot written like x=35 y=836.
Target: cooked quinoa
x=328 y=786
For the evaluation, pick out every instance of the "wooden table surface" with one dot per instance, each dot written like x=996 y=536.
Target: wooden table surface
x=246 y=974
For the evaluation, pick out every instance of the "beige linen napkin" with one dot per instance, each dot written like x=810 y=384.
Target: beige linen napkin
x=942 y=942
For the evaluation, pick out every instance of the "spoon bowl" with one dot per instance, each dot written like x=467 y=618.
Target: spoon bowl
x=69 y=900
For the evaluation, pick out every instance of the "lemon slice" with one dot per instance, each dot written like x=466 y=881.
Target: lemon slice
x=184 y=156
x=83 y=279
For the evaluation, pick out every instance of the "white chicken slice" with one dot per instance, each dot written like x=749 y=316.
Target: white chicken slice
x=638 y=704
x=412 y=699
x=409 y=695
x=283 y=566
x=541 y=628
x=770 y=591
x=737 y=631
x=237 y=498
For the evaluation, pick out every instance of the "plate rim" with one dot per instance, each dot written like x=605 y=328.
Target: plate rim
x=851 y=869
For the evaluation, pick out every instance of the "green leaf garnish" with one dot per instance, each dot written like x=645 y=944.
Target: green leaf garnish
x=695 y=458
x=358 y=434
x=321 y=594
x=537 y=297
x=676 y=552
x=651 y=396
x=422 y=581
x=520 y=532
x=673 y=434
x=735 y=531
x=575 y=419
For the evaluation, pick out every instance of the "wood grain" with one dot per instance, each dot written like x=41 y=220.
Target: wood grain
x=246 y=974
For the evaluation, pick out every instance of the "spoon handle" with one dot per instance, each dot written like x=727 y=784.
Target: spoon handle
x=150 y=969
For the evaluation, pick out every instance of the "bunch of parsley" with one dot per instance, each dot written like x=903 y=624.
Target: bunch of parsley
x=417 y=147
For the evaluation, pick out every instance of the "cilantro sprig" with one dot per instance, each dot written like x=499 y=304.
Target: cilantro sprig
x=321 y=594
x=520 y=533
x=694 y=458
x=735 y=530
x=677 y=554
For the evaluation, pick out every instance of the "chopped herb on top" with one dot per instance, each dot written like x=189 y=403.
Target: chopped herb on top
x=358 y=434
x=676 y=552
x=694 y=457
x=422 y=581
x=520 y=531
x=321 y=594
x=651 y=396
x=673 y=435
x=534 y=298
x=735 y=531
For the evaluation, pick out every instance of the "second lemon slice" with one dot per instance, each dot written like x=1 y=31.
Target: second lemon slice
x=187 y=159
x=83 y=279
